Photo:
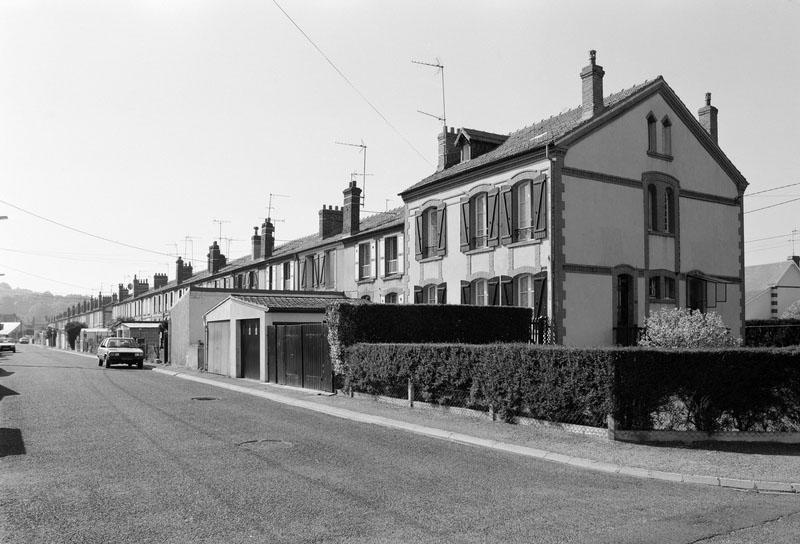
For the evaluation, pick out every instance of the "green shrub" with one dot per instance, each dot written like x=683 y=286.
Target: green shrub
x=792 y=311
x=772 y=332
x=684 y=328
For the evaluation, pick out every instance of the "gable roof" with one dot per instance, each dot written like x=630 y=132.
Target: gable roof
x=567 y=127
x=292 y=302
x=481 y=136
x=758 y=278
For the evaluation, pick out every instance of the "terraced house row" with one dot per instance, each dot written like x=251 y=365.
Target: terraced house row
x=593 y=217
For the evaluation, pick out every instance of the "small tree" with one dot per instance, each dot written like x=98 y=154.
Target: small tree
x=793 y=311
x=73 y=329
x=684 y=328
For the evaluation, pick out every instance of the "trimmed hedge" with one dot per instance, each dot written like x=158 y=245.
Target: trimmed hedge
x=772 y=332
x=707 y=390
x=351 y=323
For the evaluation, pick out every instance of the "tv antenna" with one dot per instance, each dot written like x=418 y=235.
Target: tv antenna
x=270 y=207
x=173 y=244
x=220 y=222
x=228 y=244
x=440 y=68
x=362 y=148
x=190 y=241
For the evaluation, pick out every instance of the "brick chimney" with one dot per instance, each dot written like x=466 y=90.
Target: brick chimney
x=255 y=244
x=330 y=221
x=123 y=292
x=159 y=280
x=140 y=286
x=351 y=211
x=182 y=271
x=448 y=154
x=216 y=260
x=708 y=117
x=267 y=238
x=592 y=80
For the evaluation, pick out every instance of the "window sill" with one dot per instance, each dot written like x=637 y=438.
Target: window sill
x=662 y=234
x=479 y=250
x=660 y=156
x=431 y=259
x=365 y=281
x=394 y=276
x=522 y=243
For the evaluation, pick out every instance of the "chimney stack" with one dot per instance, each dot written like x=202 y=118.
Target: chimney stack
x=159 y=280
x=448 y=154
x=123 y=292
x=267 y=238
x=592 y=79
x=216 y=260
x=351 y=211
x=330 y=221
x=708 y=118
x=140 y=286
x=182 y=271
x=255 y=242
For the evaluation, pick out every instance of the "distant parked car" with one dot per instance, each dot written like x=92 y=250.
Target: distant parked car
x=25 y=340
x=7 y=344
x=119 y=351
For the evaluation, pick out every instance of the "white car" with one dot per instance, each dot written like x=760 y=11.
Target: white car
x=7 y=344
x=119 y=351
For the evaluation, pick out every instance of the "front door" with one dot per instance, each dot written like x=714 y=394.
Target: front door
x=625 y=327
x=250 y=348
x=696 y=297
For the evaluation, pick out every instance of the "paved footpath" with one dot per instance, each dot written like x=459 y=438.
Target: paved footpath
x=755 y=467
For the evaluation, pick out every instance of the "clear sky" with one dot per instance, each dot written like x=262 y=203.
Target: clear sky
x=143 y=121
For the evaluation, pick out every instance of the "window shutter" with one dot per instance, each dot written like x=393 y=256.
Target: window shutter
x=372 y=268
x=441 y=216
x=441 y=293
x=382 y=299
x=506 y=291
x=401 y=298
x=494 y=293
x=506 y=217
x=291 y=275
x=279 y=276
x=401 y=250
x=358 y=262
x=465 y=224
x=382 y=262
x=465 y=292
x=320 y=262
x=539 y=203
x=493 y=218
x=540 y=294
x=417 y=294
x=303 y=270
x=420 y=243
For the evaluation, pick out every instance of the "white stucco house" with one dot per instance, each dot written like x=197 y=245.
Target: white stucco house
x=771 y=288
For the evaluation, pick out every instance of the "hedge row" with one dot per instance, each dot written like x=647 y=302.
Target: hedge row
x=772 y=332
x=708 y=390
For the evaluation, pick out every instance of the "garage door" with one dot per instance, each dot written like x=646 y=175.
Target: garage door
x=219 y=341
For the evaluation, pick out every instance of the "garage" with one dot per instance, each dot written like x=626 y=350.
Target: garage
x=277 y=337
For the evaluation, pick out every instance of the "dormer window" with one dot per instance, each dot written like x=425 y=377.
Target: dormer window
x=465 y=152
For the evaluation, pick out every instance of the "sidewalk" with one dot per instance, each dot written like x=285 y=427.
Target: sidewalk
x=759 y=467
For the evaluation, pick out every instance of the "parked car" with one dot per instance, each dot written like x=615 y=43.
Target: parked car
x=119 y=351
x=7 y=344
x=25 y=340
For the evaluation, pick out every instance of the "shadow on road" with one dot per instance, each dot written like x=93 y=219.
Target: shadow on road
x=11 y=442
x=760 y=448
x=6 y=392
x=4 y=373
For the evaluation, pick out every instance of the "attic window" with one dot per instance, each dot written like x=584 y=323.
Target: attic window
x=465 y=152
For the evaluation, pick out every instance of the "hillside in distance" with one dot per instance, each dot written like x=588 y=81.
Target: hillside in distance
x=33 y=307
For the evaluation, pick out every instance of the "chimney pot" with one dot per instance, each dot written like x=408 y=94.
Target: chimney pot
x=592 y=84
x=707 y=115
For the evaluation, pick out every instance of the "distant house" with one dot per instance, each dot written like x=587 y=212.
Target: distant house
x=594 y=217
x=771 y=288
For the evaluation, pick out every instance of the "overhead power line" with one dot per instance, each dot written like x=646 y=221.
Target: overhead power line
x=774 y=205
x=351 y=84
x=90 y=289
x=773 y=189
x=97 y=236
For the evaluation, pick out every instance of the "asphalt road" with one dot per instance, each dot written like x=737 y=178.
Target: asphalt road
x=89 y=454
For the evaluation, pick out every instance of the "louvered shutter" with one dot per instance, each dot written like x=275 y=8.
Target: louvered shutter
x=382 y=257
x=493 y=218
x=506 y=216
x=278 y=276
x=539 y=203
x=373 y=269
x=417 y=294
x=358 y=262
x=506 y=291
x=465 y=292
x=494 y=292
x=540 y=294
x=401 y=252
x=441 y=293
x=441 y=216
x=465 y=234
x=291 y=275
x=303 y=270
x=420 y=242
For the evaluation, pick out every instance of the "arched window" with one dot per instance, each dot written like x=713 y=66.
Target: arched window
x=429 y=233
x=478 y=224
x=669 y=210
x=652 y=145
x=480 y=292
x=652 y=207
x=666 y=133
x=522 y=197
x=523 y=291
x=390 y=298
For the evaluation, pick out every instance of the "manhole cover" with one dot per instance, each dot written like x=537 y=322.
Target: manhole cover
x=205 y=398
x=265 y=444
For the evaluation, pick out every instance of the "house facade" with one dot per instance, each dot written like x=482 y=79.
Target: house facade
x=594 y=217
x=771 y=288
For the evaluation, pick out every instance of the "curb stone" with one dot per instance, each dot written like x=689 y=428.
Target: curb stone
x=597 y=466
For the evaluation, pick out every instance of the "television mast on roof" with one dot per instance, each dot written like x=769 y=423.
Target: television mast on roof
x=440 y=68
x=270 y=207
x=362 y=148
